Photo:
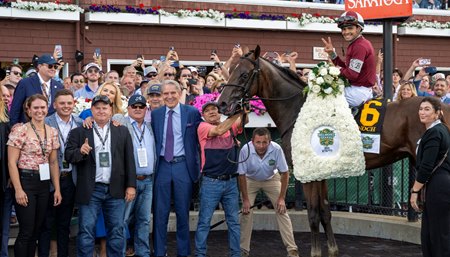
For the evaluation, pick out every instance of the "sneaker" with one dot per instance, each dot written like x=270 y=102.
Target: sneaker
x=244 y=253
x=292 y=253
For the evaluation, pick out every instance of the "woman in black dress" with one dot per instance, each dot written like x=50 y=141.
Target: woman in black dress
x=432 y=149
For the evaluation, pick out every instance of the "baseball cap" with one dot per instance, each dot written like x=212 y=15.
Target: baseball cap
x=193 y=69
x=149 y=69
x=91 y=65
x=137 y=99
x=47 y=59
x=101 y=98
x=154 y=89
x=143 y=82
x=30 y=72
x=208 y=104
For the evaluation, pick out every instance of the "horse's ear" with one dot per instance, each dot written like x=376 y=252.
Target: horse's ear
x=257 y=52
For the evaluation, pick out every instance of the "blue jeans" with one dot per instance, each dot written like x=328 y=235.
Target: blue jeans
x=113 y=211
x=142 y=207
x=212 y=192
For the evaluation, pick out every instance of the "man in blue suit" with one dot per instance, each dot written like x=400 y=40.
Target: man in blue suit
x=178 y=166
x=43 y=84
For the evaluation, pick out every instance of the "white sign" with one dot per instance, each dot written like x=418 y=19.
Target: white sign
x=319 y=54
x=325 y=141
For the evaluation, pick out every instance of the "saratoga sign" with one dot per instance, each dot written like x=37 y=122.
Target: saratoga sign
x=380 y=9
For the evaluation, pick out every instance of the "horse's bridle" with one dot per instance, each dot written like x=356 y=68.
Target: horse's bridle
x=246 y=98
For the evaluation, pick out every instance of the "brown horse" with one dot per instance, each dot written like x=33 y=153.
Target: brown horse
x=281 y=91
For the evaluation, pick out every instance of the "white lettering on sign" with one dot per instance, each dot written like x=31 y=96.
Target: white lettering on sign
x=374 y=3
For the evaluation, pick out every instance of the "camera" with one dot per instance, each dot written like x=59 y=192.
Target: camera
x=139 y=56
x=192 y=81
x=217 y=65
x=237 y=45
x=430 y=70
x=172 y=48
x=97 y=52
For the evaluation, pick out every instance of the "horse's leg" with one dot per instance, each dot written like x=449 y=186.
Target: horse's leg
x=325 y=219
x=311 y=191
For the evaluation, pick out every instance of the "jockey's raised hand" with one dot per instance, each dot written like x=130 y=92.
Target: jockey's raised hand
x=328 y=45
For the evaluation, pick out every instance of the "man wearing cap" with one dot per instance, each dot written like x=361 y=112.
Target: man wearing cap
x=40 y=84
x=145 y=159
x=219 y=153
x=92 y=74
x=154 y=100
x=106 y=173
x=360 y=61
x=175 y=127
x=151 y=73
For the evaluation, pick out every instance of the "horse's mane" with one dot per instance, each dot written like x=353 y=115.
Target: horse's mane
x=286 y=72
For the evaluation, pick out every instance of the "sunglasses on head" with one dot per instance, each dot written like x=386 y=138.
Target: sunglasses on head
x=168 y=74
x=51 y=66
x=78 y=81
x=17 y=73
x=142 y=107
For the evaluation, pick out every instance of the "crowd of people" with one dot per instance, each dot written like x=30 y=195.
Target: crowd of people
x=141 y=144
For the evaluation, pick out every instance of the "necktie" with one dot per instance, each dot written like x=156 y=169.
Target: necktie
x=44 y=90
x=168 y=149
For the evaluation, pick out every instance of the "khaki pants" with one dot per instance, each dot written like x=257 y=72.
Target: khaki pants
x=271 y=188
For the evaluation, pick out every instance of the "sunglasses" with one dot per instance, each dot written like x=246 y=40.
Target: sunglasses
x=151 y=75
x=51 y=66
x=141 y=107
x=17 y=73
x=186 y=76
x=92 y=71
x=169 y=74
x=78 y=81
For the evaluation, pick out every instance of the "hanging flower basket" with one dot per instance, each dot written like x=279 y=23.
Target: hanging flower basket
x=45 y=15
x=191 y=21
x=121 y=18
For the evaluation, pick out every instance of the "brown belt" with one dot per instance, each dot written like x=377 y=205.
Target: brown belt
x=142 y=177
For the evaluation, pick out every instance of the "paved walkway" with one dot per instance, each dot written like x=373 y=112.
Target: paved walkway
x=268 y=243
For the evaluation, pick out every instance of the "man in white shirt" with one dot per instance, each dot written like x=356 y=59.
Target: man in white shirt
x=262 y=166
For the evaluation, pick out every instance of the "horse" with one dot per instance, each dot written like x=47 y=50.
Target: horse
x=280 y=89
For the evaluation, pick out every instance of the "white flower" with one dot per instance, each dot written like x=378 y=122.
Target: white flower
x=341 y=81
x=312 y=76
x=334 y=71
x=328 y=90
x=323 y=71
x=328 y=79
x=341 y=88
x=315 y=89
x=320 y=80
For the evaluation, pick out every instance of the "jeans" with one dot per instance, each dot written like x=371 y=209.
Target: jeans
x=212 y=192
x=7 y=207
x=61 y=216
x=113 y=211
x=141 y=206
x=32 y=216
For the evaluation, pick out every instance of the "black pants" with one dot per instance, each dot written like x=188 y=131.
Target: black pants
x=58 y=217
x=31 y=217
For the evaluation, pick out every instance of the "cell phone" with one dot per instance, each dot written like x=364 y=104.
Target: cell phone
x=58 y=51
x=162 y=58
x=287 y=52
x=175 y=64
x=172 y=48
x=216 y=65
x=237 y=45
x=97 y=52
x=192 y=81
x=214 y=51
x=16 y=61
x=139 y=56
x=423 y=62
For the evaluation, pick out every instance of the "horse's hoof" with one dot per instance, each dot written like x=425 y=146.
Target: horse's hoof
x=333 y=252
x=316 y=253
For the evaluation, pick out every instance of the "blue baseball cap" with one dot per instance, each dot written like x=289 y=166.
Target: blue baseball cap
x=137 y=99
x=47 y=59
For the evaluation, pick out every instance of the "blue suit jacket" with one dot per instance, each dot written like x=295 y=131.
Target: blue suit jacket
x=26 y=88
x=51 y=121
x=190 y=119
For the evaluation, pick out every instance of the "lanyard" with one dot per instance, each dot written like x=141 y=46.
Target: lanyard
x=142 y=133
x=61 y=135
x=43 y=145
x=103 y=140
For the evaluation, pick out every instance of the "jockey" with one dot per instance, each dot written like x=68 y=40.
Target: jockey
x=360 y=61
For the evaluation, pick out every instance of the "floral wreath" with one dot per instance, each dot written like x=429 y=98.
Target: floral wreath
x=325 y=80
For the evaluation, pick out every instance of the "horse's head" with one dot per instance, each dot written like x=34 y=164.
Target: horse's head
x=242 y=84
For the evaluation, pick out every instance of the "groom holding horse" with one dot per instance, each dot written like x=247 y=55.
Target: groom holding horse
x=360 y=61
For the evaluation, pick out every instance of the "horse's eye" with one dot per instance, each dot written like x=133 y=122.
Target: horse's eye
x=243 y=78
